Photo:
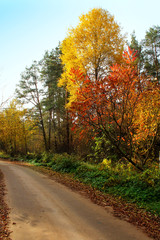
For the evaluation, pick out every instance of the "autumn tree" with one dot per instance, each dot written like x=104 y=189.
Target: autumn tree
x=16 y=129
x=92 y=46
x=109 y=107
x=147 y=124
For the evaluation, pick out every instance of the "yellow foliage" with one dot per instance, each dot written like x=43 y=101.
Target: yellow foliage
x=16 y=128
x=147 y=116
x=147 y=120
x=107 y=163
x=91 y=47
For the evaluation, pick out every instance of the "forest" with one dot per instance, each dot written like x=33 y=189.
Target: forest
x=91 y=107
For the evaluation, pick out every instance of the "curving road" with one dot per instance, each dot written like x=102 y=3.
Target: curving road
x=42 y=209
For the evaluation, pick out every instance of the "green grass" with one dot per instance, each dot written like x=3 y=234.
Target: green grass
x=4 y=155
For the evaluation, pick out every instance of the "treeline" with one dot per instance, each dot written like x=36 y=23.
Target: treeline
x=90 y=96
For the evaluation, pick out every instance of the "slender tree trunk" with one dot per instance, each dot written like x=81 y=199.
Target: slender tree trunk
x=41 y=115
x=49 y=129
x=25 y=139
x=54 y=132
x=43 y=129
x=67 y=126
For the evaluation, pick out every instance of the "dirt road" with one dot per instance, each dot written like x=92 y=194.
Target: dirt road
x=42 y=209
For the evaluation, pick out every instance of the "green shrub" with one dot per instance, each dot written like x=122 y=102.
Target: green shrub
x=46 y=157
x=64 y=163
x=4 y=155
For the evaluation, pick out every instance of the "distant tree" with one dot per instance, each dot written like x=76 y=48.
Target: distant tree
x=151 y=45
x=29 y=90
x=16 y=129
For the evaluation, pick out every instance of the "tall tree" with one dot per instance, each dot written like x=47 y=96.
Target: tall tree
x=137 y=48
x=29 y=90
x=152 y=52
x=54 y=98
x=92 y=46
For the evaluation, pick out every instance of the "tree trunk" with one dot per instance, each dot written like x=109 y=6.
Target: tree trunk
x=43 y=129
x=67 y=126
x=49 y=129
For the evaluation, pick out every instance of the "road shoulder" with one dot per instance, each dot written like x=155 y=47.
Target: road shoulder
x=4 y=211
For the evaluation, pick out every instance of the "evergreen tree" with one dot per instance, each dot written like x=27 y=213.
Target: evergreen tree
x=137 y=47
x=151 y=45
x=54 y=99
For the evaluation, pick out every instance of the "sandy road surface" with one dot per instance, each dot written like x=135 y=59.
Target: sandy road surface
x=42 y=209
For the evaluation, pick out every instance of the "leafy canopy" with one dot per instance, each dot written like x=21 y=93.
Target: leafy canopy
x=92 y=46
x=114 y=107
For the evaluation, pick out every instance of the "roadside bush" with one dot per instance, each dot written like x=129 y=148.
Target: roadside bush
x=4 y=155
x=32 y=157
x=64 y=163
x=46 y=157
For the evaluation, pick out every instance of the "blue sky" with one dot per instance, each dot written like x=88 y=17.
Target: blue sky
x=29 y=27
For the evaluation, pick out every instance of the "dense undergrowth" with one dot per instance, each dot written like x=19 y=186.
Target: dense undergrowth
x=122 y=180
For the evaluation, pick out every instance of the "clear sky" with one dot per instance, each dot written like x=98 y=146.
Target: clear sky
x=29 y=27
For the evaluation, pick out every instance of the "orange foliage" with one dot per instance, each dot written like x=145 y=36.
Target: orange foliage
x=115 y=106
